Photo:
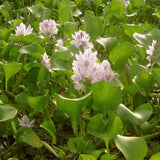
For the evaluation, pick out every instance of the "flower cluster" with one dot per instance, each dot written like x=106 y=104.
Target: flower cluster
x=86 y=69
x=81 y=40
x=25 y=122
x=21 y=29
x=151 y=50
x=48 y=27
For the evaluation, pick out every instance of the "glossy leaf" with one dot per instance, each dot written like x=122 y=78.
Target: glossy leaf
x=27 y=135
x=32 y=48
x=3 y=99
x=37 y=103
x=70 y=28
x=50 y=127
x=141 y=114
x=107 y=100
x=120 y=54
x=136 y=69
x=133 y=148
x=72 y=106
x=100 y=127
x=138 y=3
x=145 y=81
x=156 y=156
x=94 y=26
x=7 y=113
x=108 y=43
x=11 y=69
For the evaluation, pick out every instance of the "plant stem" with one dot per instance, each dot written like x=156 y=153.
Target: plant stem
x=13 y=127
x=74 y=126
x=6 y=85
x=9 y=148
x=150 y=136
x=107 y=146
x=50 y=148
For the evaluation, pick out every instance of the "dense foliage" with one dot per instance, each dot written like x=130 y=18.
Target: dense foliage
x=80 y=79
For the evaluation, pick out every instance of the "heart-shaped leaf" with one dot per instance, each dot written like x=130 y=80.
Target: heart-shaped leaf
x=11 y=69
x=120 y=54
x=133 y=148
x=111 y=97
x=7 y=113
x=72 y=106
x=141 y=114
x=27 y=135
x=100 y=127
x=38 y=103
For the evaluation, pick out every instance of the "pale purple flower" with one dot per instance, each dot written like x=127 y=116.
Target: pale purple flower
x=86 y=69
x=104 y=72
x=21 y=29
x=81 y=40
x=150 y=51
x=48 y=27
x=25 y=122
x=46 y=62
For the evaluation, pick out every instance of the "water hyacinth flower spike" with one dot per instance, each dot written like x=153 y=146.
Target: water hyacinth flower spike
x=81 y=40
x=21 y=29
x=25 y=122
x=48 y=27
x=84 y=67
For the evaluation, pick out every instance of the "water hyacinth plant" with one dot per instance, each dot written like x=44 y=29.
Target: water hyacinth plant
x=79 y=80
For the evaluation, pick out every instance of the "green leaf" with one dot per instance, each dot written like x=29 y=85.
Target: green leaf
x=135 y=69
x=28 y=39
x=4 y=35
x=140 y=115
x=65 y=11
x=111 y=97
x=146 y=39
x=155 y=156
x=72 y=106
x=60 y=64
x=108 y=43
x=70 y=28
x=156 y=73
x=86 y=157
x=120 y=54
x=105 y=129
x=27 y=135
x=131 y=89
x=7 y=113
x=145 y=81
x=50 y=127
x=130 y=29
x=94 y=26
x=133 y=148
x=32 y=48
x=3 y=99
x=10 y=69
x=37 y=103
x=138 y=3
x=108 y=157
